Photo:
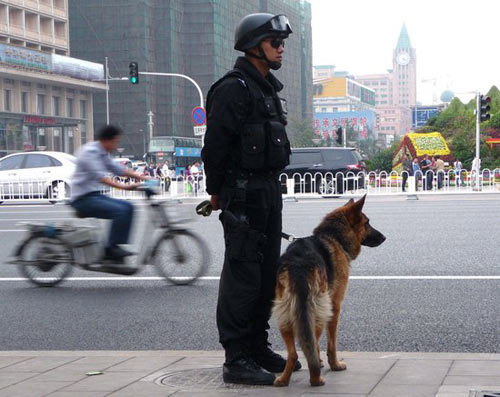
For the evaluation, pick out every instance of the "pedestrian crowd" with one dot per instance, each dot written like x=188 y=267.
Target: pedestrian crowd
x=424 y=171
x=192 y=175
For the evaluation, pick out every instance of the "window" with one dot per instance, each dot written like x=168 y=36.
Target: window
x=24 y=102
x=306 y=158
x=55 y=106
x=6 y=100
x=40 y=104
x=83 y=109
x=11 y=163
x=37 y=161
x=42 y=86
x=8 y=81
x=69 y=107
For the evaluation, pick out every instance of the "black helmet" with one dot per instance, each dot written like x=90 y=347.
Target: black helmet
x=255 y=27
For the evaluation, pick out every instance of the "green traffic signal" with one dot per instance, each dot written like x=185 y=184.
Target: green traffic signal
x=134 y=72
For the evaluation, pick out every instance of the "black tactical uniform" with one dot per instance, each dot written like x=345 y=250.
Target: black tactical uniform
x=246 y=147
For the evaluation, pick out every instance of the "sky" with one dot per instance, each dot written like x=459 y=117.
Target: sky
x=457 y=43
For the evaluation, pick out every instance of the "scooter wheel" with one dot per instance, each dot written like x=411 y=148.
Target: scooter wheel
x=51 y=260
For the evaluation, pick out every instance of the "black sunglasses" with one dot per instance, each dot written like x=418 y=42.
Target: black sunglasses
x=276 y=43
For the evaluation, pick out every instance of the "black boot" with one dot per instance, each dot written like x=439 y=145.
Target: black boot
x=267 y=359
x=245 y=371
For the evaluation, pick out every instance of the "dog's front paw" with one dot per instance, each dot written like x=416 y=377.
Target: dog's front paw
x=338 y=366
x=320 y=381
x=280 y=382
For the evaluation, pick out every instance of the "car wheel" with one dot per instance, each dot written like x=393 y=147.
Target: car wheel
x=58 y=191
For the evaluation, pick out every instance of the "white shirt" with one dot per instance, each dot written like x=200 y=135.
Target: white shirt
x=475 y=164
x=195 y=170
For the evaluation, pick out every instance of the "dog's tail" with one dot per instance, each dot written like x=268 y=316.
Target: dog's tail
x=303 y=304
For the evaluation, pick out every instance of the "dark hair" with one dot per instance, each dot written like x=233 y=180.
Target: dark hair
x=109 y=132
x=438 y=157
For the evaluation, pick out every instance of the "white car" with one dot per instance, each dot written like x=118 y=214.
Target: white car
x=126 y=162
x=36 y=175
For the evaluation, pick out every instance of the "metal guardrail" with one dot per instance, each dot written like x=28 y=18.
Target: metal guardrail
x=298 y=186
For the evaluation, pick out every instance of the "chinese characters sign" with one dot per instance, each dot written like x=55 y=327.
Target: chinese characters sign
x=361 y=123
x=25 y=57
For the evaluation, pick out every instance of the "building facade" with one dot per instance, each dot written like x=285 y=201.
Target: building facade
x=341 y=94
x=395 y=91
x=46 y=96
x=323 y=71
x=191 y=37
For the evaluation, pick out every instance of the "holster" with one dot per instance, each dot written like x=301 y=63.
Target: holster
x=242 y=242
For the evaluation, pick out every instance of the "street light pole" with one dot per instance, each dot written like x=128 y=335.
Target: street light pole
x=107 y=91
x=478 y=132
x=144 y=139
x=150 y=124
x=178 y=75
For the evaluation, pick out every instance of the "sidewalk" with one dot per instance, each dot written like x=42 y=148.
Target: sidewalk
x=198 y=373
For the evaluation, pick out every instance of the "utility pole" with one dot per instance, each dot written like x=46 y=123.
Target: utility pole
x=478 y=132
x=150 y=124
x=344 y=135
x=107 y=91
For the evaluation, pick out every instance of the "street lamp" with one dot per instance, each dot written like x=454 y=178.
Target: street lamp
x=144 y=139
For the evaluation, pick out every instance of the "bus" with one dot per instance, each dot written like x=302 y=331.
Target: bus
x=177 y=150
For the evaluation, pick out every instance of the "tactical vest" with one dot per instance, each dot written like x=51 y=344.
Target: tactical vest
x=263 y=144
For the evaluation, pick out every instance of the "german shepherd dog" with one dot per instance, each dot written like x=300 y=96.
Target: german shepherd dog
x=312 y=279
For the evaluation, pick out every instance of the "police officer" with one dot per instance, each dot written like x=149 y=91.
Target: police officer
x=246 y=147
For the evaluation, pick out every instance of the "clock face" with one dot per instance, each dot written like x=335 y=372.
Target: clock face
x=403 y=58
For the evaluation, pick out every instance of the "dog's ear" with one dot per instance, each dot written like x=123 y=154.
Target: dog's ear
x=350 y=202
x=358 y=205
x=353 y=213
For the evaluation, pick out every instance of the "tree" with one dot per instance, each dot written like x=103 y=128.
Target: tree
x=382 y=161
x=301 y=133
x=457 y=123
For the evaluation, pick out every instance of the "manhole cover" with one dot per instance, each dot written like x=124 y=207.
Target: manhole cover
x=199 y=379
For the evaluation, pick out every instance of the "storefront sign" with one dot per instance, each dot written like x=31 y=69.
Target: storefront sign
x=54 y=63
x=39 y=120
x=24 y=57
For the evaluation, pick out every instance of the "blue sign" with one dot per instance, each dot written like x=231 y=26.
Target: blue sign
x=199 y=115
x=361 y=122
x=424 y=113
x=187 y=152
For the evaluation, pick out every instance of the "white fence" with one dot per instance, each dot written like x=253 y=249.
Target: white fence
x=297 y=185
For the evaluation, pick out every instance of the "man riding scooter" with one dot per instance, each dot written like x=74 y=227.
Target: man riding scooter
x=94 y=167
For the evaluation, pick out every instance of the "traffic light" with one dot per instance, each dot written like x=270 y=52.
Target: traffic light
x=484 y=108
x=134 y=72
x=339 y=136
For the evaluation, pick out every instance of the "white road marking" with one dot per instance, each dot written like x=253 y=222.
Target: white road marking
x=390 y=355
x=216 y=278
x=14 y=230
x=36 y=219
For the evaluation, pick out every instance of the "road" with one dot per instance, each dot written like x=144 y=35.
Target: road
x=453 y=238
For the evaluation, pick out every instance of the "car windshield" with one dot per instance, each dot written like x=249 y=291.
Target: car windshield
x=68 y=157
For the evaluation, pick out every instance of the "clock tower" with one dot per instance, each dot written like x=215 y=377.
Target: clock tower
x=404 y=72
